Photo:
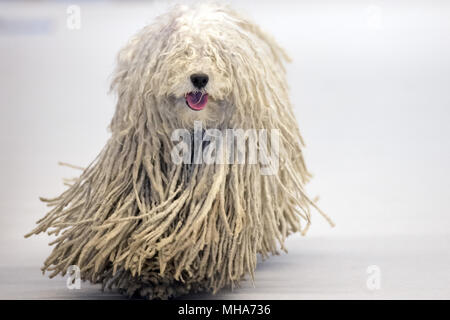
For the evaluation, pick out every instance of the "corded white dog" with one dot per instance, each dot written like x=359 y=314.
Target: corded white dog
x=138 y=221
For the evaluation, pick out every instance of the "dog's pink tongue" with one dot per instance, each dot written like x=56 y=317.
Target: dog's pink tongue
x=197 y=100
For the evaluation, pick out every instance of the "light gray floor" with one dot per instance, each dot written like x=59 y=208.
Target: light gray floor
x=315 y=268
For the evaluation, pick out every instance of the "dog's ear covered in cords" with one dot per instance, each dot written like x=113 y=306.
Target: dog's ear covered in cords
x=203 y=171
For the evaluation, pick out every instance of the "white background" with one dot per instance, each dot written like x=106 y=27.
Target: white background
x=370 y=83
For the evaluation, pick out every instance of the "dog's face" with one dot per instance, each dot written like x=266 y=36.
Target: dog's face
x=198 y=89
x=204 y=63
x=198 y=75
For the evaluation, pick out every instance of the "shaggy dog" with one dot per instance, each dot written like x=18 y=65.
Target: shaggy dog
x=137 y=221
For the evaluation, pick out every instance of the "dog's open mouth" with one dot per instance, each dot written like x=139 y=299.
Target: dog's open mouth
x=196 y=100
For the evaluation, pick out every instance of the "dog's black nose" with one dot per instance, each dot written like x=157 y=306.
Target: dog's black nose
x=199 y=80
